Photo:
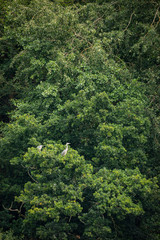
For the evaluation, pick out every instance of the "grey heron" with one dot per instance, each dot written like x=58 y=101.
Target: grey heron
x=40 y=147
x=65 y=150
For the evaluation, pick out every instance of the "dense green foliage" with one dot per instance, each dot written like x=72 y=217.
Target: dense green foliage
x=84 y=72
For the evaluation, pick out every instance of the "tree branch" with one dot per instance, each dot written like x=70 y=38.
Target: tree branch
x=155 y=16
x=16 y=209
x=28 y=171
x=31 y=176
x=114 y=227
x=83 y=38
x=129 y=22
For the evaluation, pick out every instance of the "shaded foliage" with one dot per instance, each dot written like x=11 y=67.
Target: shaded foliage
x=84 y=72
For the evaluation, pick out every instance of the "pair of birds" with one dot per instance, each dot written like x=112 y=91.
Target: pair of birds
x=63 y=153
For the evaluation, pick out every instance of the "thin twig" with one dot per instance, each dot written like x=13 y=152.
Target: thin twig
x=78 y=35
x=157 y=23
x=114 y=227
x=28 y=171
x=23 y=166
x=129 y=22
x=85 y=50
x=153 y=22
x=38 y=13
x=98 y=19
x=155 y=16
x=31 y=176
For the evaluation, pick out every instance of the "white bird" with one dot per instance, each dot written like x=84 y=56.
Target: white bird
x=65 y=150
x=40 y=147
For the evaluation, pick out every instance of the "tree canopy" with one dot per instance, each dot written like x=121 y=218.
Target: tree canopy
x=87 y=73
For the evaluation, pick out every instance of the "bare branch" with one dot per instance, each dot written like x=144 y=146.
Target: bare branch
x=16 y=209
x=155 y=16
x=28 y=171
x=84 y=50
x=70 y=218
x=129 y=22
x=31 y=176
x=79 y=36
x=157 y=22
x=115 y=228
x=23 y=166
x=21 y=206
x=27 y=167
x=98 y=19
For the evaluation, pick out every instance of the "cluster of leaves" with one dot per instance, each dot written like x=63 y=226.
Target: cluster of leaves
x=65 y=197
x=80 y=71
